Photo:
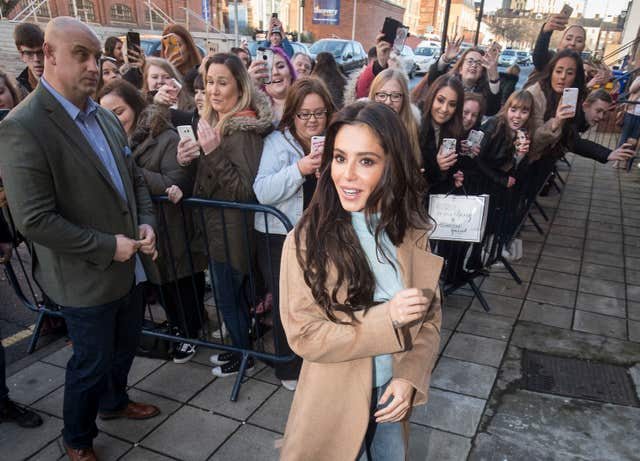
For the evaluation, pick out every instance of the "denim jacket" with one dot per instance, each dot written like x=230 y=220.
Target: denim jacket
x=279 y=181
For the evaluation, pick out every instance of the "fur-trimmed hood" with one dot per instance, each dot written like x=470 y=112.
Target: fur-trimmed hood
x=258 y=119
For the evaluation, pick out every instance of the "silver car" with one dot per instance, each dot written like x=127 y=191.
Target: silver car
x=425 y=56
x=407 y=59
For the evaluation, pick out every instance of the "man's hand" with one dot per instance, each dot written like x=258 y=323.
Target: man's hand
x=402 y=393
x=5 y=252
x=556 y=22
x=147 y=241
x=624 y=153
x=125 y=248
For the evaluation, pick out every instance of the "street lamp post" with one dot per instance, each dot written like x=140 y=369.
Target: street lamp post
x=445 y=26
x=479 y=19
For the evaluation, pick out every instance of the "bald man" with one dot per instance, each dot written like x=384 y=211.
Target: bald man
x=77 y=197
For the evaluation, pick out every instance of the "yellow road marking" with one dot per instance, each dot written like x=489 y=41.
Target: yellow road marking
x=19 y=336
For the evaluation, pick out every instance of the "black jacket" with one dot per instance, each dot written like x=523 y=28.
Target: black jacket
x=496 y=158
x=23 y=83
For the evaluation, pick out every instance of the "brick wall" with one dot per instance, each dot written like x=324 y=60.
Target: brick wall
x=370 y=18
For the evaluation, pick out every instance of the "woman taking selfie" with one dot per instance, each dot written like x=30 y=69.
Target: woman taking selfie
x=282 y=76
x=287 y=180
x=185 y=57
x=359 y=289
x=228 y=153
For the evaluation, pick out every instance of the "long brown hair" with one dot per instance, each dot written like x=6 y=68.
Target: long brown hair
x=193 y=57
x=325 y=238
x=453 y=127
x=296 y=94
x=518 y=99
x=458 y=65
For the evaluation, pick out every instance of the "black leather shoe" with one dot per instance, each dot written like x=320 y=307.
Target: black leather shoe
x=11 y=412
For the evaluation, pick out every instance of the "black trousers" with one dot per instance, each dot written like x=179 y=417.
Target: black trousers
x=269 y=256
x=183 y=300
x=104 y=339
x=4 y=390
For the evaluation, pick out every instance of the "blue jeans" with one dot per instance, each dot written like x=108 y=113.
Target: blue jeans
x=383 y=441
x=231 y=302
x=105 y=339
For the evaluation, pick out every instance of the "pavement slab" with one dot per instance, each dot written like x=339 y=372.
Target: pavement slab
x=426 y=443
x=463 y=377
x=438 y=412
x=484 y=351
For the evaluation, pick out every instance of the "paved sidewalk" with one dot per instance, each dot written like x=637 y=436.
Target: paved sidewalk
x=580 y=298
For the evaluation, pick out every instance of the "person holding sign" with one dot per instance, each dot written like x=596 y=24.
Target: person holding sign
x=359 y=295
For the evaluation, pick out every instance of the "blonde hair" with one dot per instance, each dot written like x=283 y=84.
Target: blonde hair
x=243 y=81
x=406 y=113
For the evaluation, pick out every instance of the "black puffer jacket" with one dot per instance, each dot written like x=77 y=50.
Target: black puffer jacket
x=496 y=158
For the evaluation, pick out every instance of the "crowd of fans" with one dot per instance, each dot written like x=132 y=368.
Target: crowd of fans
x=254 y=143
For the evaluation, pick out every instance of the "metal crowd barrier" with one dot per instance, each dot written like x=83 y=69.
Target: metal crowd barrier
x=193 y=213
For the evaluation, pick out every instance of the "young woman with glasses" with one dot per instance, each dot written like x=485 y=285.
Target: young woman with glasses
x=390 y=87
x=286 y=179
x=360 y=301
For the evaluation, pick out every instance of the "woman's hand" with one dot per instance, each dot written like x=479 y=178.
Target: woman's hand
x=174 y=193
x=555 y=22
x=258 y=72
x=309 y=164
x=453 y=49
x=511 y=182
x=383 y=50
x=135 y=56
x=490 y=62
x=522 y=147
x=563 y=112
x=188 y=151
x=446 y=161
x=407 y=306
x=209 y=138
x=401 y=392
x=458 y=178
x=166 y=96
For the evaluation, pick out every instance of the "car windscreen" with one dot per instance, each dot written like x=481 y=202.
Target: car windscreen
x=424 y=51
x=508 y=53
x=335 y=48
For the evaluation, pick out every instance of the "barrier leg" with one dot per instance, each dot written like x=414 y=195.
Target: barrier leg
x=480 y=296
x=541 y=210
x=555 y=184
x=564 y=159
x=36 y=333
x=535 y=223
x=511 y=270
x=236 y=386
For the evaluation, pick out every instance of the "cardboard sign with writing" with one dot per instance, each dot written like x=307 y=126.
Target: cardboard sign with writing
x=459 y=218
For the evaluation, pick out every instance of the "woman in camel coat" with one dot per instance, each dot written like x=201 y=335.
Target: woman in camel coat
x=367 y=351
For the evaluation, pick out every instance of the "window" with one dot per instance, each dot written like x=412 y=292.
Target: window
x=85 y=10
x=155 y=17
x=43 y=11
x=121 y=13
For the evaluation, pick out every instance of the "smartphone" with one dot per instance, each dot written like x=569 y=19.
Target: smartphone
x=394 y=33
x=133 y=41
x=475 y=138
x=171 y=45
x=177 y=84
x=3 y=113
x=274 y=15
x=212 y=47
x=317 y=144
x=186 y=131
x=448 y=146
x=566 y=10
x=570 y=97
x=495 y=49
x=266 y=55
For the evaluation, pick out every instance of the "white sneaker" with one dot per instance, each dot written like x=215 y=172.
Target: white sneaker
x=220 y=333
x=289 y=384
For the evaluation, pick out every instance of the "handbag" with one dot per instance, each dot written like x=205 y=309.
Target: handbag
x=459 y=218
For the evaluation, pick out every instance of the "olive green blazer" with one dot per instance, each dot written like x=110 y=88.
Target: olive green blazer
x=65 y=204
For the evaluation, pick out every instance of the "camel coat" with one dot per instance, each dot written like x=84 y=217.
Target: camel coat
x=544 y=136
x=330 y=411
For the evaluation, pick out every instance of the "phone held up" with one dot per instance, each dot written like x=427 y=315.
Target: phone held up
x=566 y=10
x=395 y=33
x=171 y=45
x=570 y=98
x=133 y=41
x=448 y=146
x=266 y=55
x=317 y=144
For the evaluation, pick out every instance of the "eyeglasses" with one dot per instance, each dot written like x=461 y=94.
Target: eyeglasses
x=473 y=62
x=382 y=96
x=318 y=115
x=31 y=54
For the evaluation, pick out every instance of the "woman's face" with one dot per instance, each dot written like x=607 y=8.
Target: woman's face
x=573 y=39
x=156 y=77
x=517 y=116
x=6 y=100
x=117 y=51
x=123 y=111
x=444 y=105
x=390 y=94
x=302 y=65
x=222 y=89
x=280 y=78
x=470 y=114
x=110 y=71
x=563 y=74
x=357 y=166
x=199 y=97
x=316 y=124
x=471 y=68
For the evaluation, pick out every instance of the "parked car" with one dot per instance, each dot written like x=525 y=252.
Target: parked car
x=408 y=60
x=524 y=58
x=424 y=57
x=299 y=47
x=349 y=54
x=508 y=58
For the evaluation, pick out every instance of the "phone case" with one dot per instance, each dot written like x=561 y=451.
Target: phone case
x=186 y=131
x=570 y=97
x=267 y=56
x=448 y=145
x=566 y=10
x=390 y=29
x=171 y=44
x=317 y=141
x=475 y=138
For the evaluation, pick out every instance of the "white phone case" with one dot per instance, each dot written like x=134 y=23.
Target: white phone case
x=266 y=56
x=185 y=131
x=570 y=97
x=448 y=146
x=317 y=142
x=475 y=138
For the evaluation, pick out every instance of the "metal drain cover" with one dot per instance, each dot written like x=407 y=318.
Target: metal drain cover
x=584 y=379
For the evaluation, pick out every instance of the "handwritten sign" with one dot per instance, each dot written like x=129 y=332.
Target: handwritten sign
x=459 y=218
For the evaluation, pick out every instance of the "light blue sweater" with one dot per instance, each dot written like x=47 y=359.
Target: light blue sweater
x=388 y=282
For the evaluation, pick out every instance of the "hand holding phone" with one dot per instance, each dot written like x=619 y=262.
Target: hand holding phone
x=566 y=10
x=186 y=132
x=317 y=145
x=266 y=55
x=448 y=146
x=394 y=33
x=570 y=98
